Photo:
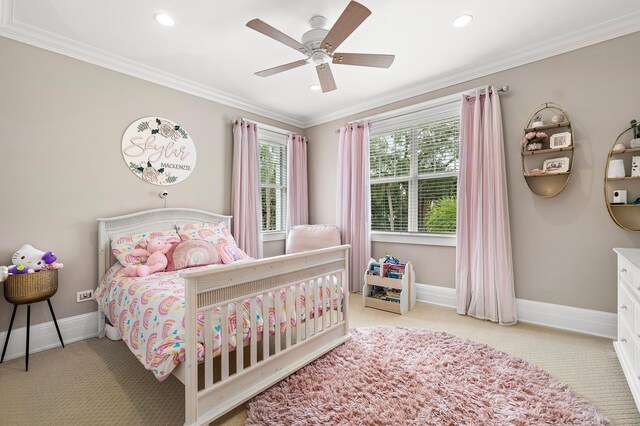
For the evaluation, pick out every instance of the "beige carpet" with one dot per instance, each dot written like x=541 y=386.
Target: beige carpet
x=99 y=382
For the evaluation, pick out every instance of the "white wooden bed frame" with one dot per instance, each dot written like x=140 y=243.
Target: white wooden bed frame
x=218 y=287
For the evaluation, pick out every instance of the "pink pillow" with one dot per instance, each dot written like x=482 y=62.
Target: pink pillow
x=191 y=253
x=312 y=237
x=230 y=253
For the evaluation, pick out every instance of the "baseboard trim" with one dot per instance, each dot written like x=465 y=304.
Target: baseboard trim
x=436 y=295
x=44 y=336
x=587 y=321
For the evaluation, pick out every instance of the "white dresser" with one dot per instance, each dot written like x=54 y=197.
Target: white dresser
x=628 y=344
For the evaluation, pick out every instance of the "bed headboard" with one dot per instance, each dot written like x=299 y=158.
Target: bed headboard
x=146 y=221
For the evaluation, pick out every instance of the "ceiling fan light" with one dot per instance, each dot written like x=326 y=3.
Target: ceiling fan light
x=462 y=20
x=165 y=19
x=314 y=87
x=319 y=57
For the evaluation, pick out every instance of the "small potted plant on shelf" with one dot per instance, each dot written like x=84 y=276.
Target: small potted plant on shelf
x=537 y=121
x=533 y=141
x=635 y=142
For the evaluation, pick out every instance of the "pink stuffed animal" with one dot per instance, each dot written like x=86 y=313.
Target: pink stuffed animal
x=156 y=250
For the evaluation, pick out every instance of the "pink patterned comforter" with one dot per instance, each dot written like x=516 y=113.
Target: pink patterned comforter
x=149 y=314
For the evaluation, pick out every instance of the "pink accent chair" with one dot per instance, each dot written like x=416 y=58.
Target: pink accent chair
x=312 y=237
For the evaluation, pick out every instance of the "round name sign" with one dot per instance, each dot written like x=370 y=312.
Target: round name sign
x=158 y=151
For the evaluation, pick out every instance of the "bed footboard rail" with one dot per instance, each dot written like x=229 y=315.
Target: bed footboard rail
x=318 y=278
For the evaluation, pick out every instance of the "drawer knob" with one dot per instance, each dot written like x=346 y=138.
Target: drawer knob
x=623 y=340
x=623 y=307
x=623 y=270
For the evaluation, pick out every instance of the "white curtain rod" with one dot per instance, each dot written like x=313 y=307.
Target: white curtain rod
x=503 y=89
x=414 y=108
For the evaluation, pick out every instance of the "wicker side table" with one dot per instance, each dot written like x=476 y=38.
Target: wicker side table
x=26 y=289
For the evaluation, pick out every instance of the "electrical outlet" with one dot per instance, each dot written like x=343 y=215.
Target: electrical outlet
x=84 y=296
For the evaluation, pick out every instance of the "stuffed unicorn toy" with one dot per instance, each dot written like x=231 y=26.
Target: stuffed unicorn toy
x=156 y=250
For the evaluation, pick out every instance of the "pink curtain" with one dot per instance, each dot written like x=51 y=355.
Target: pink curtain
x=246 y=206
x=484 y=270
x=297 y=190
x=354 y=209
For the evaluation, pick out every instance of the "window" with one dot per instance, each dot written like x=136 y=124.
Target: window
x=273 y=179
x=414 y=171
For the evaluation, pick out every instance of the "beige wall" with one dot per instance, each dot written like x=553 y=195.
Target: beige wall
x=273 y=248
x=562 y=246
x=62 y=122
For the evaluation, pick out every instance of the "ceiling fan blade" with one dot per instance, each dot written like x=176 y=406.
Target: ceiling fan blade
x=325 y=76
x=351 y=18
x=269 y=31
x=363 y=59
x=281 y=68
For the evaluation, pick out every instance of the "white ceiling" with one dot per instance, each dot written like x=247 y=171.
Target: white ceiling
x=210 y=51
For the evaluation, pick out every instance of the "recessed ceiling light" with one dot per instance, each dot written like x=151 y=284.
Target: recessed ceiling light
x=314 y=87
x=165 y=19
x=462 y=20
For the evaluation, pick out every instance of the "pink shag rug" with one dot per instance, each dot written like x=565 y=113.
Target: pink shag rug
x=419 y=377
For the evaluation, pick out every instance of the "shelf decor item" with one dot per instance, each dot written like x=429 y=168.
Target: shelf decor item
x=545 y=175
x=557 y=118
x=621 y=191
x=635 y=130
x=616 y=169
x=560 y=140
x=533 y=141
x=619 y=148
x=556 y=165
x=537 y=122
x=635 y=166
x=619 y=197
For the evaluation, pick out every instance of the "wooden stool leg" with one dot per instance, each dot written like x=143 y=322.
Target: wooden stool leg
x=6 y=342
x=55 y=322
x=26 y=360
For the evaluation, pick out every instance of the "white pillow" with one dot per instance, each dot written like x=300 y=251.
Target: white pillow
x=215 y=233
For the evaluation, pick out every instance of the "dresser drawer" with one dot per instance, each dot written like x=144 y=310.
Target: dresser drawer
x=626 y=270
x=626 y=306
x=625 y=339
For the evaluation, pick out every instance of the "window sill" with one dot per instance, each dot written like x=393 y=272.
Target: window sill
x=410 y=238
x=274 y=236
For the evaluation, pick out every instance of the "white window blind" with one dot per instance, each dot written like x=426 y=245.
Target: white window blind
x=414 y=171
x=273 y=179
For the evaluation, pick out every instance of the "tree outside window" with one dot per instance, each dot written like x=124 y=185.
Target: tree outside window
x=414 y=176
x=273 y=185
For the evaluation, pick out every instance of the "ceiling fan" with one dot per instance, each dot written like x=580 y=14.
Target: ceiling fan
x=319 y=45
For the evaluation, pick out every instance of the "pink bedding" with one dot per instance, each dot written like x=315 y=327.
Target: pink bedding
x=149 y=314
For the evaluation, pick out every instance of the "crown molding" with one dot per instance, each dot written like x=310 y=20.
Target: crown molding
x=586 y=37
x=20 y=31
x=25 y=33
